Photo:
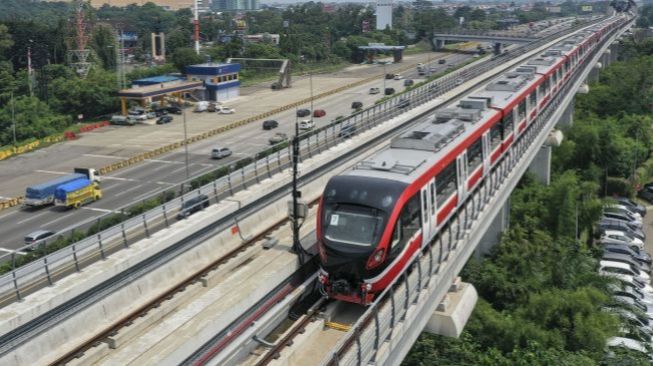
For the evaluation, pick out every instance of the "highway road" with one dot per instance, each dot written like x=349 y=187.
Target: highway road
x=136 y=182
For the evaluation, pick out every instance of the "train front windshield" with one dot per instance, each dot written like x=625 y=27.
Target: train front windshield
x=353 y=225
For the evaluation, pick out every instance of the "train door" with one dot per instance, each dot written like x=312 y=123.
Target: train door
x=486 y=152
x=461 y=163
x=428 y=226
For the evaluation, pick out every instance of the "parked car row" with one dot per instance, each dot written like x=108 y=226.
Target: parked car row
x=624 y=259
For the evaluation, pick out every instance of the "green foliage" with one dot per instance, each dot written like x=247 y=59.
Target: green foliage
x=34 y=119
x=185 y=56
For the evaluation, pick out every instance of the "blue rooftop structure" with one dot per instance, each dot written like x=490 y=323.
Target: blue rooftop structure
x=221 y=81
x=156 y=80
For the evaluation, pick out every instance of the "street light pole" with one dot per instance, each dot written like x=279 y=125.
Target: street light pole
x=310 y=78
x=13 y=117
x=296 y=243
x=185 y=138
x=384 y=74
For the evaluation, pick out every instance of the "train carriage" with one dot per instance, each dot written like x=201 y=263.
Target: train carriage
x=374 y=219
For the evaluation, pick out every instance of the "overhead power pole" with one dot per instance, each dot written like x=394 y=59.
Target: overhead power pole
x=196 y=27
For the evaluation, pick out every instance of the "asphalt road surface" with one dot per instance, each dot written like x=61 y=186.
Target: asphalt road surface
x=134 y=183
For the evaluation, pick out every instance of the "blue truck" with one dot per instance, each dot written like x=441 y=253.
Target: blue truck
x=77 y=193
x=43 y=194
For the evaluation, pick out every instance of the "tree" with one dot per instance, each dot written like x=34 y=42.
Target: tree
x=103 y=42
x=185 y=56
x=34 y=119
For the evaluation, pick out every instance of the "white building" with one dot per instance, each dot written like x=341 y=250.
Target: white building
x=383 y=14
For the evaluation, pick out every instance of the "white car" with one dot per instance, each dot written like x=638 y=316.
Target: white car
x=634 y=281
x=622 y=268
x=225 y=110
x=621 y=238
x=398 y=77
x=306 y=124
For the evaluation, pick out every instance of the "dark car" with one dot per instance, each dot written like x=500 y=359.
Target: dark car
x=173 y=109
x=389 y=91
x=160 y=112
x=389 y=76
x=403 y=103
x=347 y=130
x=35 y=236
x=611 y=224
x=408 y=82
x=356 y=105
x=303 y=112
x=640 y=256
x=646 y=193
x=270 y=124
x=631 y=205
x=164 y=119
x=442 y=61
x=193 y=205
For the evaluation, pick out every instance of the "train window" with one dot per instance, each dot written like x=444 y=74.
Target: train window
x=521 y=110
x=547 y=85
x=554 y=78
x=432 y=198
x=425 y=208
x=407 y=225
x=541 y=90
x=532 y=100
x=495 y=136
x=445 y=183
x=507 y=123
x=474 y=155
x=353 y=225
x=567 y=66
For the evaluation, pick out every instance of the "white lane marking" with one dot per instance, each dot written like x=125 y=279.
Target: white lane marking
x=55 y=220
x=128 y=190
x=32 y=217
x=165 y=161
x=11 y=251
x=9 y=213
x=105 y=156
x=107 y=177
x=166 y=183
x=51 y=172
x=103 y=210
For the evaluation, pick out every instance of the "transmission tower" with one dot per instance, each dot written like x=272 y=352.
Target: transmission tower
x=78 y=40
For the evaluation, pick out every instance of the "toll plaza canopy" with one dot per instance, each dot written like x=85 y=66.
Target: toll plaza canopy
x=150 y=91
x=373 y=48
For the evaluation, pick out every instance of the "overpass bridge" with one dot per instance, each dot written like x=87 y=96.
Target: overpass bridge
x=497 y=39
x=131 y=301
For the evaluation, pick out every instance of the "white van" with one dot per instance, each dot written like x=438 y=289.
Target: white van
x=622 y=268
x=201 y=106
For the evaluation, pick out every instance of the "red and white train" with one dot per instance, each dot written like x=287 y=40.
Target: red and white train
x=373 y=220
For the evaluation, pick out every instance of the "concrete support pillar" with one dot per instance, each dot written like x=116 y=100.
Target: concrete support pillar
x=452 y=313
x=439 y=44
x=567 y=118
x=123 y=106
x=491 y=237
x=607 y=58
x=593 y=76
x=541 y=165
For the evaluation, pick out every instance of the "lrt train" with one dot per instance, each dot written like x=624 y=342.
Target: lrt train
x=375 y=219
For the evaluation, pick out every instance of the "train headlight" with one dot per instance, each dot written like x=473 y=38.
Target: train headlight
x=368 y=287
x=323 y=278
x=377 y=258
